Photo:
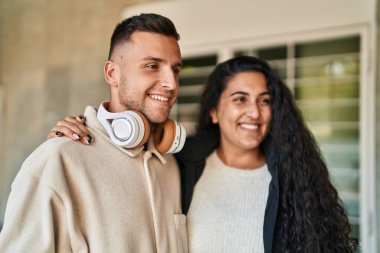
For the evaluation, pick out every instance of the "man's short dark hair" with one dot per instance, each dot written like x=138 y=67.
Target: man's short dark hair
x=145 y=22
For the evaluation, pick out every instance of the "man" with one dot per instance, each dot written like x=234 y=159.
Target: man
x=106 y=198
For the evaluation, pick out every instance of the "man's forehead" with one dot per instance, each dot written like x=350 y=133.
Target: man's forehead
x=143 y=36
x=151 y=45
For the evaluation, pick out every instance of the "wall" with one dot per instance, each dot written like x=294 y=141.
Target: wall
x=200 y=24
x=51 y=65
x=377 y=128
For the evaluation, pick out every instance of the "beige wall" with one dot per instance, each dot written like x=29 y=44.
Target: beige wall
x=51 y=60
x=258 y=19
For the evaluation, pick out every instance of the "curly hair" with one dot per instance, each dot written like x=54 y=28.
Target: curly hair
x=311 y=216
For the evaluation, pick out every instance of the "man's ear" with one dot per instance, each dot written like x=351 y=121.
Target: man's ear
x=112 y=73
x=213 y=116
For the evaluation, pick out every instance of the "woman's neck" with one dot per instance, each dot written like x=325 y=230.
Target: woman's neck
x=241 y=159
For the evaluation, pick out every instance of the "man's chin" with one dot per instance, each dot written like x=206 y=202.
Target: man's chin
x=157 y=120
x=157 y=116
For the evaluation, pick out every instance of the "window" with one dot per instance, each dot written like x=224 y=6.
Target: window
x=192 y=79
x=327 y=86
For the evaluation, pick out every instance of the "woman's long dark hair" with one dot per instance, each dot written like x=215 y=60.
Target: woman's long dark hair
x=311 y=216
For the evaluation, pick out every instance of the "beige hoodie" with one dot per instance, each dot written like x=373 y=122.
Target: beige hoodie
x=98 y=198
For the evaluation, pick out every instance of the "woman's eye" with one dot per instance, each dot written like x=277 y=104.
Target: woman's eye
x=240 y=99
x=265 y=101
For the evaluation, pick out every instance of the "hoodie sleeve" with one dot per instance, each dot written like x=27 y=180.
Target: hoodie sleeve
x=34 y=219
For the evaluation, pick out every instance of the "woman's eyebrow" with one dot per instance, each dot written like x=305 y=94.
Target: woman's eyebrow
x=247 y=94
x=264 y=93
x=239 y=93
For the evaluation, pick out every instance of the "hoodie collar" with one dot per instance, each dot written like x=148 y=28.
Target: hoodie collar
x=93 y=123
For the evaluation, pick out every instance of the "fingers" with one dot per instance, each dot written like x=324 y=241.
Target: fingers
x=53 y=134
x=73 y=128
x=81 y=119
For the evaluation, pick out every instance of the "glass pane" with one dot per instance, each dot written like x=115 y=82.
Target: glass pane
x=276 y=56
x=272 y=53
x=200 y=61
x=345 y=45
x=329 y=66
x=192 y=79
x=332 y=110
x=327 y=89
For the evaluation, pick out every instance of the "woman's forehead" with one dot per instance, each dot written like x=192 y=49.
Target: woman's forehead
x=247 y=81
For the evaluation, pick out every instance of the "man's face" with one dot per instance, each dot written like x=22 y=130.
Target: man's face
x=147 y=81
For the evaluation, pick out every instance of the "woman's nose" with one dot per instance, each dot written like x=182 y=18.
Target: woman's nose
x=253 y=111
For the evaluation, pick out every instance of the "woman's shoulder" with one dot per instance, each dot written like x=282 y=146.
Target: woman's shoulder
x=199 y=146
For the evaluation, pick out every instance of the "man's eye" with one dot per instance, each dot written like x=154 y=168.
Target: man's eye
x=176 y=70
x=152 y=66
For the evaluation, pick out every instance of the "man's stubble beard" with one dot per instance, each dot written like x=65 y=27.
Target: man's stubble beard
x=126 y=99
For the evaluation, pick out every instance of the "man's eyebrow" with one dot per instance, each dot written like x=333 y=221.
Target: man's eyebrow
x=178 y=64
x=156 y=59
x=151 y=58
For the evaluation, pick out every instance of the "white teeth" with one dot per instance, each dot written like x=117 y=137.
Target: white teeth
x=159 y=98
x=249 y=126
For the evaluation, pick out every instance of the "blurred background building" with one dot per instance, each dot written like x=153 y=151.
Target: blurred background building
x=51 y=65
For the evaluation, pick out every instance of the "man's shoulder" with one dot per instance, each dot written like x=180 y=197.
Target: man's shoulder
x=51 y=148
x=48 y=157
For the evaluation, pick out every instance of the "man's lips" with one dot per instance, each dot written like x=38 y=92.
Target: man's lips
x=159 y=97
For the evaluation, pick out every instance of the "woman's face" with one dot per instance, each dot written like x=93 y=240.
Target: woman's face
x=243 y=112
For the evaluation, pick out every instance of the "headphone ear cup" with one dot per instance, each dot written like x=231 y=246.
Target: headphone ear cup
x=169 y=137
x=146 y=130
x=128 y=129
x=163 y=136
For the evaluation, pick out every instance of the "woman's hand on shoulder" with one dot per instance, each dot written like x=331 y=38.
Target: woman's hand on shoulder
x=73 y=128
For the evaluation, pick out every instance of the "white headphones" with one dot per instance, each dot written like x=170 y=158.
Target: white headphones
x=131 y=129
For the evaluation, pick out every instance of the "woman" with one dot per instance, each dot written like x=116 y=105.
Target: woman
x=253 y=178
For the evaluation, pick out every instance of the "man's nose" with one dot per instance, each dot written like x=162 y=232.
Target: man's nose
x=169 y=79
